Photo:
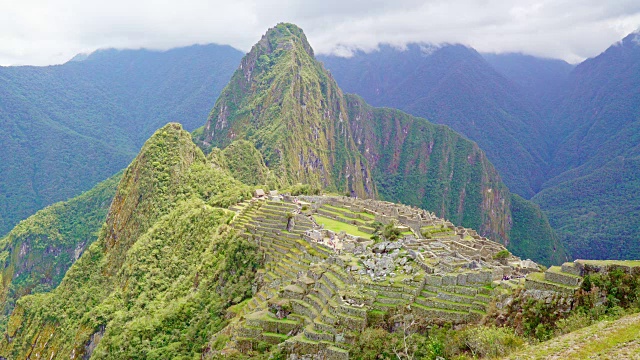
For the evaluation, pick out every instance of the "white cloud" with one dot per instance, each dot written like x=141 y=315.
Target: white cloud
x=47 y=32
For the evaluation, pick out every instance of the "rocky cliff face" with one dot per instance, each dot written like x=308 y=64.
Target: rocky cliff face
x=422 y=164
x=38 y=252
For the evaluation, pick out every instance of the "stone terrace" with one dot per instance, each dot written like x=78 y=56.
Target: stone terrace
x=566 y=279
x=325 y=278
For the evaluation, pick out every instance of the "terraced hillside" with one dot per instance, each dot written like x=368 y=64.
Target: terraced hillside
x=327 y=275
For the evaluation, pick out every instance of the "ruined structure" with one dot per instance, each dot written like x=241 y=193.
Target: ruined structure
x=329 y=272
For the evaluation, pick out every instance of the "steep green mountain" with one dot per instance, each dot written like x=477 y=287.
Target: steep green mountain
x=164 y=254
x=597 y=215
x=431 y=166
x=67 y=127
x=282 y=100
x=455 y=86
x=592 y=192
x=37 y=253
x=245 y=162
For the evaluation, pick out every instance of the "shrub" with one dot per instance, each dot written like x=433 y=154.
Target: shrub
x=373 y=343
x=575 y=321
x=304 y=189
x=490 y=341
x=391 y=232
x=616 y=288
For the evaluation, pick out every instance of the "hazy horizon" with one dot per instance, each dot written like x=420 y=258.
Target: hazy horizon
x=45 y=33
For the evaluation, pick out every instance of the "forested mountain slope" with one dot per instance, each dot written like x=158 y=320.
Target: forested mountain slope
x=455 y=86
x=592 y=193
x=67 y=127
x=37 y=253
x=167 y=202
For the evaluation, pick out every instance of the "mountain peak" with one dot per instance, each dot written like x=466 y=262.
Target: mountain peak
x=285 y=102
x=633 y=39
x=283 y=37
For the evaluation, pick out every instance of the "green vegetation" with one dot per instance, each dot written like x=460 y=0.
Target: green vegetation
x=38 y=251
x=303 y=189
x=164 y=268
x=337 y=226
x=391 y=232
x=620 y=289
x=412 y=341
x=245 y=162
x=597 y=215
x=529 y=226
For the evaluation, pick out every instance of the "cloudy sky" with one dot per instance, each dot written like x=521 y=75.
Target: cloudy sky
x=41 y=32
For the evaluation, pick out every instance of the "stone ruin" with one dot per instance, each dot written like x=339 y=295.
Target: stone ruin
x=321 y=285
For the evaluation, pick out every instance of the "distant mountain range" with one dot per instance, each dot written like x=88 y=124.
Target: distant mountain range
x=67 y=127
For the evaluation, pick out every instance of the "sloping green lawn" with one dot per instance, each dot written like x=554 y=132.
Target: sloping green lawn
x=337 y=226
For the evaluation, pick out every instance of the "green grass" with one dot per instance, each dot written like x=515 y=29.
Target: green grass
x=275 y=335
x=337 y=226
x=558 y=270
